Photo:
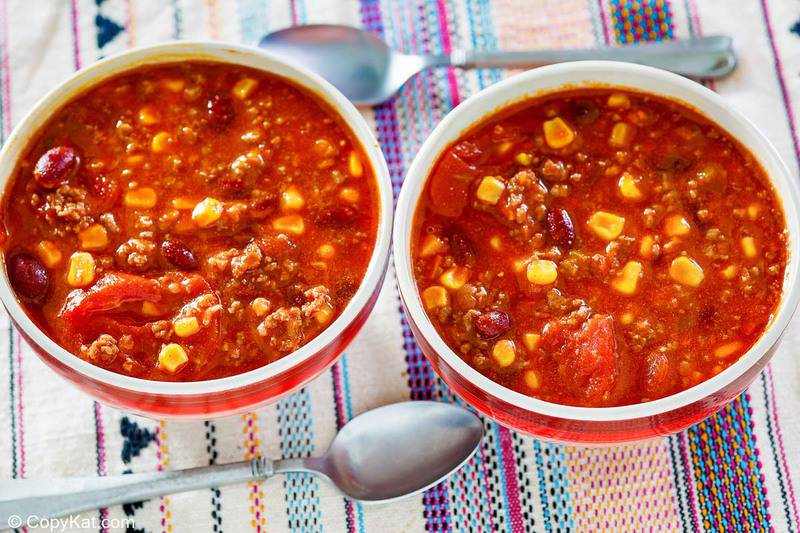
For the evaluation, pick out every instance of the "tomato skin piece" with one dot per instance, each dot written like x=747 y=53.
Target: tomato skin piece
x=449 y=185
x=110 y=291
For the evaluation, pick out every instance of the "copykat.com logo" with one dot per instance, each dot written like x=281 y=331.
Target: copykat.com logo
x=72 y=523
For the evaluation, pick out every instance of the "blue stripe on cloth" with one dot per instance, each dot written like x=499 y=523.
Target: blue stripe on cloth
x=553 y=486
x=296 y=433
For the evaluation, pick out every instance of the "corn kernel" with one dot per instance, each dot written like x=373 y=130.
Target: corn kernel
x=523 y=159
x=324 y=315
x=172 y=357
x=541 y=272
x=619 y=100
x=434 y=297
x=531 y=341
x=183 y=203
x=260 y=306
x=557 y=133
x=355 y=165
x=326 y=251
x=626 y=318
x=174 y=84
x=49 y=253
x=628 y=187
x=207 y=212
x=490 y=190
x=244 y=87
x=504 y=352
x=628 y=279
x=349 y=194
x=503 y=148
x=726 y=350
x=646 y=246
x=622 y=135
x=292 y=224
x=531 y=379
x=749 y=247
x=291 y=199
x=607 y=226
x=141 y=198
x=148 y=116
x=81 y=269
x=161 y=142
x=186 y=326
x=753 y=210
x=729 y=272
x=454 y=277
x=151 y=309
x=95 y=237
x=676 y=226
x=496 y=242
x=431 y=245
x=686 y=271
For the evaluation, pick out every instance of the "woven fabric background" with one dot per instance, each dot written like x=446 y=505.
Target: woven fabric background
x=737 y=471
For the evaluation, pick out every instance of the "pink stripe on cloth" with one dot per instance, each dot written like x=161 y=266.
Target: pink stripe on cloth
x=447 y=48
x=604 y=21
x=20 y=411
x=779 y=67
x=510 y=473
x=781 y=449
x=76 y=46
x=6 y=72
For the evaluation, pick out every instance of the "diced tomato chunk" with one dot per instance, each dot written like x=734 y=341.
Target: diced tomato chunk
x=587 y=356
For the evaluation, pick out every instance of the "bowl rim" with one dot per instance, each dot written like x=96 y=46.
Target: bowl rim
x=592 y=73
x=215 y=52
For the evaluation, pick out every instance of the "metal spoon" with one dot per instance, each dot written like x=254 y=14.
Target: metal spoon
x=382 y=455
x=368 y=72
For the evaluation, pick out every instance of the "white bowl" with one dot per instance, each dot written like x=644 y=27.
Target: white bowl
x=240 y=392
x=580 y=424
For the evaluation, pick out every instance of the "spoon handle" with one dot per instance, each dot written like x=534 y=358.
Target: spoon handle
x=26 y=498
x=703 y=57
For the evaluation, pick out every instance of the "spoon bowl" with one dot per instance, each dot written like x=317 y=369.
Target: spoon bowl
x=400 y=449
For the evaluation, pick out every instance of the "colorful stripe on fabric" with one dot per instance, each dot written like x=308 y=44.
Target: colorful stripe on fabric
x=729 y=484
x=162 y=455
x=216 y=495
x=641 y=20
x=353 y=511
x=296 y=433
x=788 y=499
x=553 y=486
x=253 y=450
x=421 y=380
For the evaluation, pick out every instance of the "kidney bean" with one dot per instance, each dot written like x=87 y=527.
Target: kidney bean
x=492 y=324
x=220 y=111
x=585 y=111
x=461 y=247
x=178 y=254
x=339 y=216
x=560 y=227
x=56 y=166
x=28 y=277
